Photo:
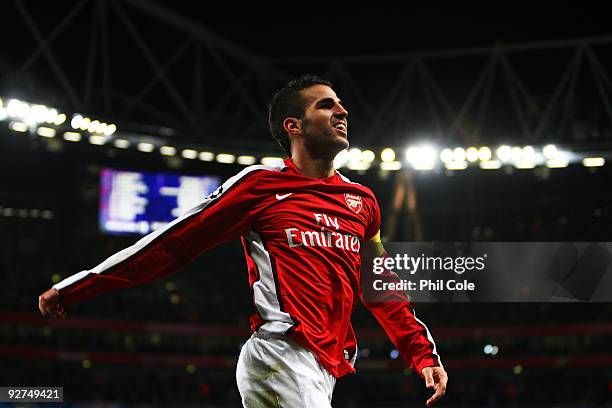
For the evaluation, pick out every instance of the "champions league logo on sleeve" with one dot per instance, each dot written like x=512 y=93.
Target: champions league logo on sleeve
x=353 y=201
x=216 y=193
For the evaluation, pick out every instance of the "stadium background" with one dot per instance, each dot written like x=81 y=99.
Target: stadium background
x=173 y=74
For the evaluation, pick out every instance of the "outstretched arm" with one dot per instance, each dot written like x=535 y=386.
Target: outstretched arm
x=222 y=216
x=395 y=314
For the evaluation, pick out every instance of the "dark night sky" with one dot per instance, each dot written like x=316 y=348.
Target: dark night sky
x=328 y=29
x=320 y=29
x=290 y=29
x=337 y=29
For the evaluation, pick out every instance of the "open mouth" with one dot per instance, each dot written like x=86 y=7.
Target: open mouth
x=340 y=128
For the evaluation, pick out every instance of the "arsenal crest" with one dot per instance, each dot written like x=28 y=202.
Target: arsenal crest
x=353 y=201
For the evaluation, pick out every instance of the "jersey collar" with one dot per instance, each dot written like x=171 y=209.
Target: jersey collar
x=335 y=178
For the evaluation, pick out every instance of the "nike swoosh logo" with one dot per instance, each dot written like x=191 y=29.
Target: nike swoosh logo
x=280 y=197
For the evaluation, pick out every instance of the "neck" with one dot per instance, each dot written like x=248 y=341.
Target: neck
x=315 y=167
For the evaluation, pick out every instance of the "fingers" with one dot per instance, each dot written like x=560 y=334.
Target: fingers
x=59 y=312
x=44 y=304
x=41 y=306
x=428 y=376
x=48 y=304
x=436 y=378
x=54 y=311
x=436 y=397
x=443 y=379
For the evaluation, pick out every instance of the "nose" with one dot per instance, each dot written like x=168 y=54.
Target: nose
x=340 y=112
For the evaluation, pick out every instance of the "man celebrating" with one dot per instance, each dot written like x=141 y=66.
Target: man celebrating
x=304 y=228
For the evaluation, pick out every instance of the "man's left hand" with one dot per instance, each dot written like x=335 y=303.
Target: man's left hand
x=435 y=378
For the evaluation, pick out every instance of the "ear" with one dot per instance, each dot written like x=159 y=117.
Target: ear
x=292 y=126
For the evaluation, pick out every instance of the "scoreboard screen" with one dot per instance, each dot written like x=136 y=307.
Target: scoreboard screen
x=133 y=202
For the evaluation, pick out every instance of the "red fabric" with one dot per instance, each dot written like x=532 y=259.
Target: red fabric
x=313 y=230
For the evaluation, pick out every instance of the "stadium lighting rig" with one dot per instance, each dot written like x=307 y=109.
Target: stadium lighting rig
x=426 y=157
x=46 y=122
x=94 y=127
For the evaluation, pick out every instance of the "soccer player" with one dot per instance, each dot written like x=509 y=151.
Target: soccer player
x=304 y=227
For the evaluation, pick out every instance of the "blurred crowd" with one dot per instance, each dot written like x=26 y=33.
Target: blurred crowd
x=213 y=290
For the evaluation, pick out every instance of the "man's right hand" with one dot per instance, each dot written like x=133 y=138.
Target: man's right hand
x=49 y=304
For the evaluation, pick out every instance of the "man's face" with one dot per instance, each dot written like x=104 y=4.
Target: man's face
x=324 y=125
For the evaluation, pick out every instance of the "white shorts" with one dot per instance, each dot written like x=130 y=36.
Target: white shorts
x=277 y=372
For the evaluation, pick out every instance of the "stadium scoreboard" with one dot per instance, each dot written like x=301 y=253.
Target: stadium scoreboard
x=133 y=202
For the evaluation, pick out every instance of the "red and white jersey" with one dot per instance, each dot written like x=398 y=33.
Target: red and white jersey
x=302 y=239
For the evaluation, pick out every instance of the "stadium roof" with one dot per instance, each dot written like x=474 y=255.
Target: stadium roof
x=205 y=72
